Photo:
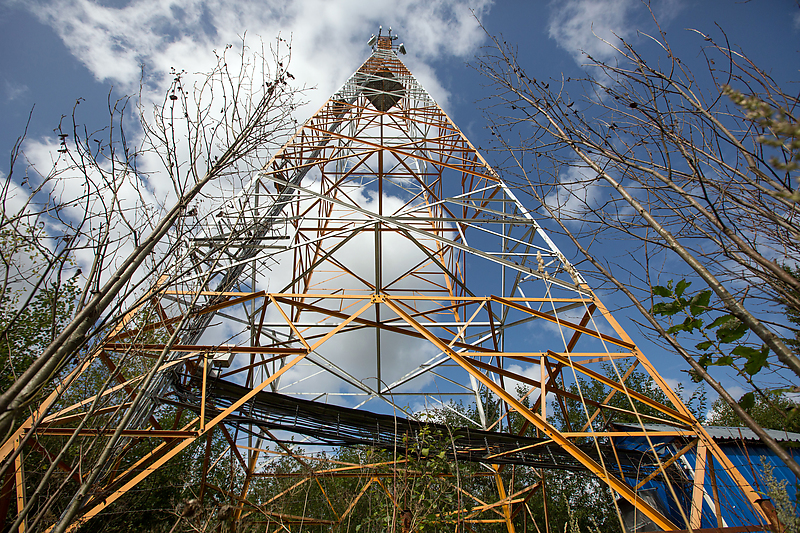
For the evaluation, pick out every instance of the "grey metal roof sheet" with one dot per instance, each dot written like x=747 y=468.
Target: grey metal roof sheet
x=727 y=433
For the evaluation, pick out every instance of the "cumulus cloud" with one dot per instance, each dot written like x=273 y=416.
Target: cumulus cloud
x=581 y=26
x=346 y=360
x=588 y=26
x=328 y=38
x=142 y=41
x=152 y=37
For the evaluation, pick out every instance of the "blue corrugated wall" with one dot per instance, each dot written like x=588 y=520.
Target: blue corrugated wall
x=747 y=457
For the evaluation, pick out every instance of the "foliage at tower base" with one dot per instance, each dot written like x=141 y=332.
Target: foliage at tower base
x=688 y=165
x=434 y=494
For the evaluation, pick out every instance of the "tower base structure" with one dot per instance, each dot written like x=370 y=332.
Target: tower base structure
x=376 y=268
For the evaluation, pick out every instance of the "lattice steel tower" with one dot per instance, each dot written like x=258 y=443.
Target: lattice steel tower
x=376 y=266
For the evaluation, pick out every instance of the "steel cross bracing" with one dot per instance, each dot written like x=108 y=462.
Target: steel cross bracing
x=376 y=263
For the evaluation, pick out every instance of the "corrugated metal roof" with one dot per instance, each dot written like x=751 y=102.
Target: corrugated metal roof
x=726 y=433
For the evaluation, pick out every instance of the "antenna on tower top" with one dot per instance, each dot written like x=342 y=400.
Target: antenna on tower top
x=384 y=41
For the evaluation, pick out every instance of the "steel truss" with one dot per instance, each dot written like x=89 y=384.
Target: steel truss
x=334 y=285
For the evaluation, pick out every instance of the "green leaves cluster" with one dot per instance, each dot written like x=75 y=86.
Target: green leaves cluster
x=781 y=128
x=719 y=331
x=697 y=303
x=34 y=327
x=772 y=410
x=785 y=508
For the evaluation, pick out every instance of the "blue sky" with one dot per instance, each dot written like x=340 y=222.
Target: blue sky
x=57 y=51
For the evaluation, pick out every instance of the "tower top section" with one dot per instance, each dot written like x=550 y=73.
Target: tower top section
x=385 y=41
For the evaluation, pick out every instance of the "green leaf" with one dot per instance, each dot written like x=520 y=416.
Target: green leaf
x=756 y=359
x=725 y=360
x=667 y=309
x=691 y=324
x=425 y=452
x=744 y=351
x=720 y=321
x=675 y=328
x=681 y=286
x=658 y=290
x=793 y=414
x=699 y=302
x=705 y=345
x=747 y=401
x=731 y=331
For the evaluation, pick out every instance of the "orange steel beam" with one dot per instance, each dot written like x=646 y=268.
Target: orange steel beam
x=607 y=338
x=150 y=468
x=40 y=412
x=558 y=391
x=482 y=503
x=368 y=322
x=53 y=420
x=411 y=475
x=751 y=495
x=621 y=388
x=532 y=489
x=355 y=500
x=501 y=490
x=19 y=481
x=454 y=244
x=698 y=489
x=206 y=348
x=166 y=322
x=666 y=464
x=52 y=417
x=618 y=485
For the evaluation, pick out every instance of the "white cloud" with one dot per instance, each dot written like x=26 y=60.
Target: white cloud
x=529 y=371
x=328 y=44
x=581 y=26
x=118 y=44
x=736 y=391
x=577 y=194
x=673 y=383
x=352 y=352
x=328 y=36
x=13 y=90
x=87 y=197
